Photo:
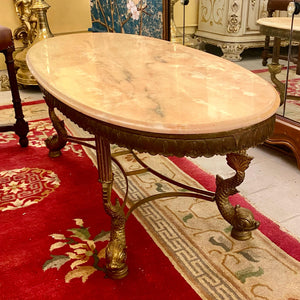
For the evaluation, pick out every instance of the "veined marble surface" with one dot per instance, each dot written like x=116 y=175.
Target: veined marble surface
x=280 y=23
x=150 y=84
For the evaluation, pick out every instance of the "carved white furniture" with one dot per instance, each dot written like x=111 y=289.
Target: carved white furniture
x=231 y=25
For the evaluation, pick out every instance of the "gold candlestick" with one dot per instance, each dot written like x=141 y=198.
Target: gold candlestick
x=39 y=9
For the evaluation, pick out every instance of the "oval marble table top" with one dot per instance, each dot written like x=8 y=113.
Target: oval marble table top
x=280 y=23
x=280 y=27
x=150 y=85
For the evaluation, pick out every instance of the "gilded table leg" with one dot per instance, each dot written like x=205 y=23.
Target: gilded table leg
x=274 y=69
x=116 y=266
x=240 y=218
x=56 y=142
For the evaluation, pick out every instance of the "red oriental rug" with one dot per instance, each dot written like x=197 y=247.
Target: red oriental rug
x=53 y=231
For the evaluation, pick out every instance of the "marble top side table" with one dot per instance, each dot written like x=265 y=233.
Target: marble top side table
x=153 y=96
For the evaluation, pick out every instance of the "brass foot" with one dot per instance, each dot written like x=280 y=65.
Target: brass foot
x=117 y=274
x=53 y=153
x=115 y=271
x=54 y=144
x=240 y=235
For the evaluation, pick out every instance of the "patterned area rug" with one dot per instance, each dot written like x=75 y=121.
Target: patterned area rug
x=53 y=231
x=190 y=232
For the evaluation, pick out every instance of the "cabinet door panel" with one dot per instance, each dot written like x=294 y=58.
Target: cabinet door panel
x=256 y=9
x=213 y=15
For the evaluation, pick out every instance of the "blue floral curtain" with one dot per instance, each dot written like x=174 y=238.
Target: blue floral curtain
x=144 y=17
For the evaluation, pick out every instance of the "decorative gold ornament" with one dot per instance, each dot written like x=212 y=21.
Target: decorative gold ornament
x=4 y=83
x=234 y=22
x=34 y=29
x=27 y=31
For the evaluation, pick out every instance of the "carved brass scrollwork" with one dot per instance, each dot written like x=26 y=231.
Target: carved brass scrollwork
x=27 y=31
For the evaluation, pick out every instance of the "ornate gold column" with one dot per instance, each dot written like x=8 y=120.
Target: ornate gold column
x=36 y=23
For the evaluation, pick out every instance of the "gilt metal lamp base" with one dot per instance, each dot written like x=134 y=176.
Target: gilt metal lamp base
x=39 y=9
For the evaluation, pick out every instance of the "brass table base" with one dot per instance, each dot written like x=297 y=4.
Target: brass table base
x=275 y=69
x=232 y=144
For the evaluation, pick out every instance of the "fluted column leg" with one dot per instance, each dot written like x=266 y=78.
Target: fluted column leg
x=116 y=266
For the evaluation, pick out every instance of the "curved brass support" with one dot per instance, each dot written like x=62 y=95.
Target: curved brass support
x=240 y=218
x=56 y=142
x=275 y=69
x=205 y=195
x=163 y=195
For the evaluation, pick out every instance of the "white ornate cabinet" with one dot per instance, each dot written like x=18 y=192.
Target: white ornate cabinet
x=231 y=25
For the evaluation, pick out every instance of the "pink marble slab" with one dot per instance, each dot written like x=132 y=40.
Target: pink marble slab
x=149 y=84
x=280 y=23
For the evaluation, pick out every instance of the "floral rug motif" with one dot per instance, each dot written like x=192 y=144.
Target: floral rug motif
x=79 y=248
